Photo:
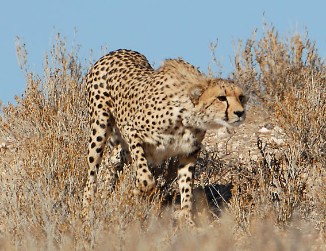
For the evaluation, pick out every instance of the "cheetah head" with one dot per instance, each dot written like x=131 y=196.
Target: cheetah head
x=220 y=103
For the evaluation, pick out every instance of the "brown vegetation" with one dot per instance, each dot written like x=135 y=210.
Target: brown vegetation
x=274 y=202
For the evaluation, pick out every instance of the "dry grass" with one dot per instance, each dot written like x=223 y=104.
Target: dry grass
x=278 y=202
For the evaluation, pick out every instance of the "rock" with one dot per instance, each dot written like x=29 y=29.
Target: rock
x=277 y=141
x=264 y=130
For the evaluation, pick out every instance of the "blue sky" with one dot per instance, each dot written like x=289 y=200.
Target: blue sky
x=158 y=29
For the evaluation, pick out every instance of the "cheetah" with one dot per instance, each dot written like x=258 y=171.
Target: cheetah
x=154 y=114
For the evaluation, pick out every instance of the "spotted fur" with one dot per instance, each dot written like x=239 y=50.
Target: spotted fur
x=154 y=115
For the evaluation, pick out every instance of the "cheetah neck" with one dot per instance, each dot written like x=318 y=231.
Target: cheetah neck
x=200 y=121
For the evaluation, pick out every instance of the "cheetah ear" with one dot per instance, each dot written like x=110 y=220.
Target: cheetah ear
x=195 y=93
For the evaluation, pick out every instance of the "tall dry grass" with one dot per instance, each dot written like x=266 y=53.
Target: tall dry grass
x=278 y=201
x=289 y=78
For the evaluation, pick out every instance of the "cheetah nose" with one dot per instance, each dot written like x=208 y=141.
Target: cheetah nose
x=239 y=113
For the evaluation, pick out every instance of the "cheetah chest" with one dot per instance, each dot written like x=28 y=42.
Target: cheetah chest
x=182 y=142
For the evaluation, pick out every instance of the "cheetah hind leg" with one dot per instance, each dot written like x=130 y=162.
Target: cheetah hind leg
x=145 y=183
x=109 y=172
x=103 y=132
x=117 y=161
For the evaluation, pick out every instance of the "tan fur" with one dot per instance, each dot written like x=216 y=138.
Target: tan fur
x=154 y=115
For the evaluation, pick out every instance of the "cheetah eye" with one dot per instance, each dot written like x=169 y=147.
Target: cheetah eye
x=242 y=98
x=221 y=98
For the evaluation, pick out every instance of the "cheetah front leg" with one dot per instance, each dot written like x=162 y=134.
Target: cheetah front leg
x=185 y=180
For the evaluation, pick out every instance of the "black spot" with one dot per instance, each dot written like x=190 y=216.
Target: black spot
x=91 y=159
x=191 y=169
x=145 y=183
x=99 y=138
x=99 y=150
x=93 y=145
x=92 y=173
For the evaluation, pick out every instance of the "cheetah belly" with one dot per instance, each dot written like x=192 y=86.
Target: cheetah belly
x=170 y=145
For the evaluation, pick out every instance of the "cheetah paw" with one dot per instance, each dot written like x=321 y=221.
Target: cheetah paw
x=184 y=218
